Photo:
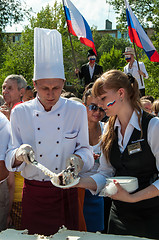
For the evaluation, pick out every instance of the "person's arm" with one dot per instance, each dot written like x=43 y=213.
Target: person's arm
x=147 y=193
x=11 y=188
x=5 y=138
x=101 y=69
x=152 y=137
x=81 y=72
x=3 y=170
x=87 y=183
x=95 y=183
x=11 y=163
x=143 y=71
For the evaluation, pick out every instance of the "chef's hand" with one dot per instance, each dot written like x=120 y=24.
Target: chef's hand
x=25 y=153
x=76 y=162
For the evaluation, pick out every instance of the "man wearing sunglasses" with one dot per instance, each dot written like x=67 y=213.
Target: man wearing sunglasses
x=90 y=71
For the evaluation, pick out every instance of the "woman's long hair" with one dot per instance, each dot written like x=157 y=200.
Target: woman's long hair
x=115 y=79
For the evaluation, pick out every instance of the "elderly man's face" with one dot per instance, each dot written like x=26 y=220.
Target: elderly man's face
x=10 y=91
x=49 y=91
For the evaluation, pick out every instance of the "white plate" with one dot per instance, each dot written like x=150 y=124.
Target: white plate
x=130 y=184
x=76 y=181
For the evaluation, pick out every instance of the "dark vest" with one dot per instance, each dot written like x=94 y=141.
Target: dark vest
x=140 y=218
x=140 y=164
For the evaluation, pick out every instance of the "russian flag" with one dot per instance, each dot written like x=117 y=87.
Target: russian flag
x=77 y=25
x=138 y=35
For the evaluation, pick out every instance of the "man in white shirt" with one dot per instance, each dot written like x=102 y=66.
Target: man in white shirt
x=4 y=194
x=132 y=68
x=13 y=89
x=55 y=128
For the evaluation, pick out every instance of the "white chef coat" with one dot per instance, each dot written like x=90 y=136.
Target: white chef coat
x=135 y=73
x=106 y=169
x=54 y=135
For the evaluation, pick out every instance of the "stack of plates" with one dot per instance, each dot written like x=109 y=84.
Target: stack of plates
x=130 y=184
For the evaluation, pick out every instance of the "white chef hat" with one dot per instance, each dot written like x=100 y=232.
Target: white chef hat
x=48 y=54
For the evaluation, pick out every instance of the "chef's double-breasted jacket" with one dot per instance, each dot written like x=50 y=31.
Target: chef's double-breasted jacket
x=53 y=135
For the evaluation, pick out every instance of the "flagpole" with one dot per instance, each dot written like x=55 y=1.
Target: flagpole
x=138 y=63
x=73 y=53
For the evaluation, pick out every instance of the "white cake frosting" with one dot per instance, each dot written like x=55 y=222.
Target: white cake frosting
x=63 y=234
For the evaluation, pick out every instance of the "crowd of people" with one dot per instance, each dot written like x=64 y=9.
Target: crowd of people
x=111 y=131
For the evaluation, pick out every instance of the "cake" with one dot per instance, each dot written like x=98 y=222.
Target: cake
x=67 y=178
x=63 y=234
x=11 y=234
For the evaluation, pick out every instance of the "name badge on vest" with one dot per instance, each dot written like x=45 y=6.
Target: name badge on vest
x=134 y=148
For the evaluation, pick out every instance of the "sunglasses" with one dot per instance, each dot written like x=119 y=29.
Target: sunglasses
x=94 y=108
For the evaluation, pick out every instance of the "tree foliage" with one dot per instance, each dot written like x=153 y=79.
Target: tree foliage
x=147 y=11
x=12 y=11
x=18 y=57
x=112 y=60
x=107 y=42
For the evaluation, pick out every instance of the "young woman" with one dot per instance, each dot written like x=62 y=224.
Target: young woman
x=94 y=205
x=155 y=108
x=129 y=127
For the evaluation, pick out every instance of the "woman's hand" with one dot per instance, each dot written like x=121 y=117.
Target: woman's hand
x=122 y=194
x=146 y=193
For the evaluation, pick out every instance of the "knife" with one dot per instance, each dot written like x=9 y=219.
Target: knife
x=45 y=170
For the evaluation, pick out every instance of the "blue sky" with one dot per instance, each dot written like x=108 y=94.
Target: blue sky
x=94 y=11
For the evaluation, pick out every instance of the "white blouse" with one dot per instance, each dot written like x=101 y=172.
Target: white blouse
x=106 y=169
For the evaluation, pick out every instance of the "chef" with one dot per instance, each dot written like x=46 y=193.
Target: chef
x=55 y=128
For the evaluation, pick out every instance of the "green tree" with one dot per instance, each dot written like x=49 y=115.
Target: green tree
x=18 y=60
x=146 y=11
x=152 y=83
x=148 y=14
x=19 y=56
x=12 y=11
x=107 y=42
x=112 y=60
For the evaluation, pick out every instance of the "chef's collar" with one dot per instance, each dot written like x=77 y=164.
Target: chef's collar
x=54 y=107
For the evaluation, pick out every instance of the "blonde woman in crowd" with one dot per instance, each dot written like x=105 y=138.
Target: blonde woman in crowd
x=147 y=105
x=94 y=205
x=155 y=108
